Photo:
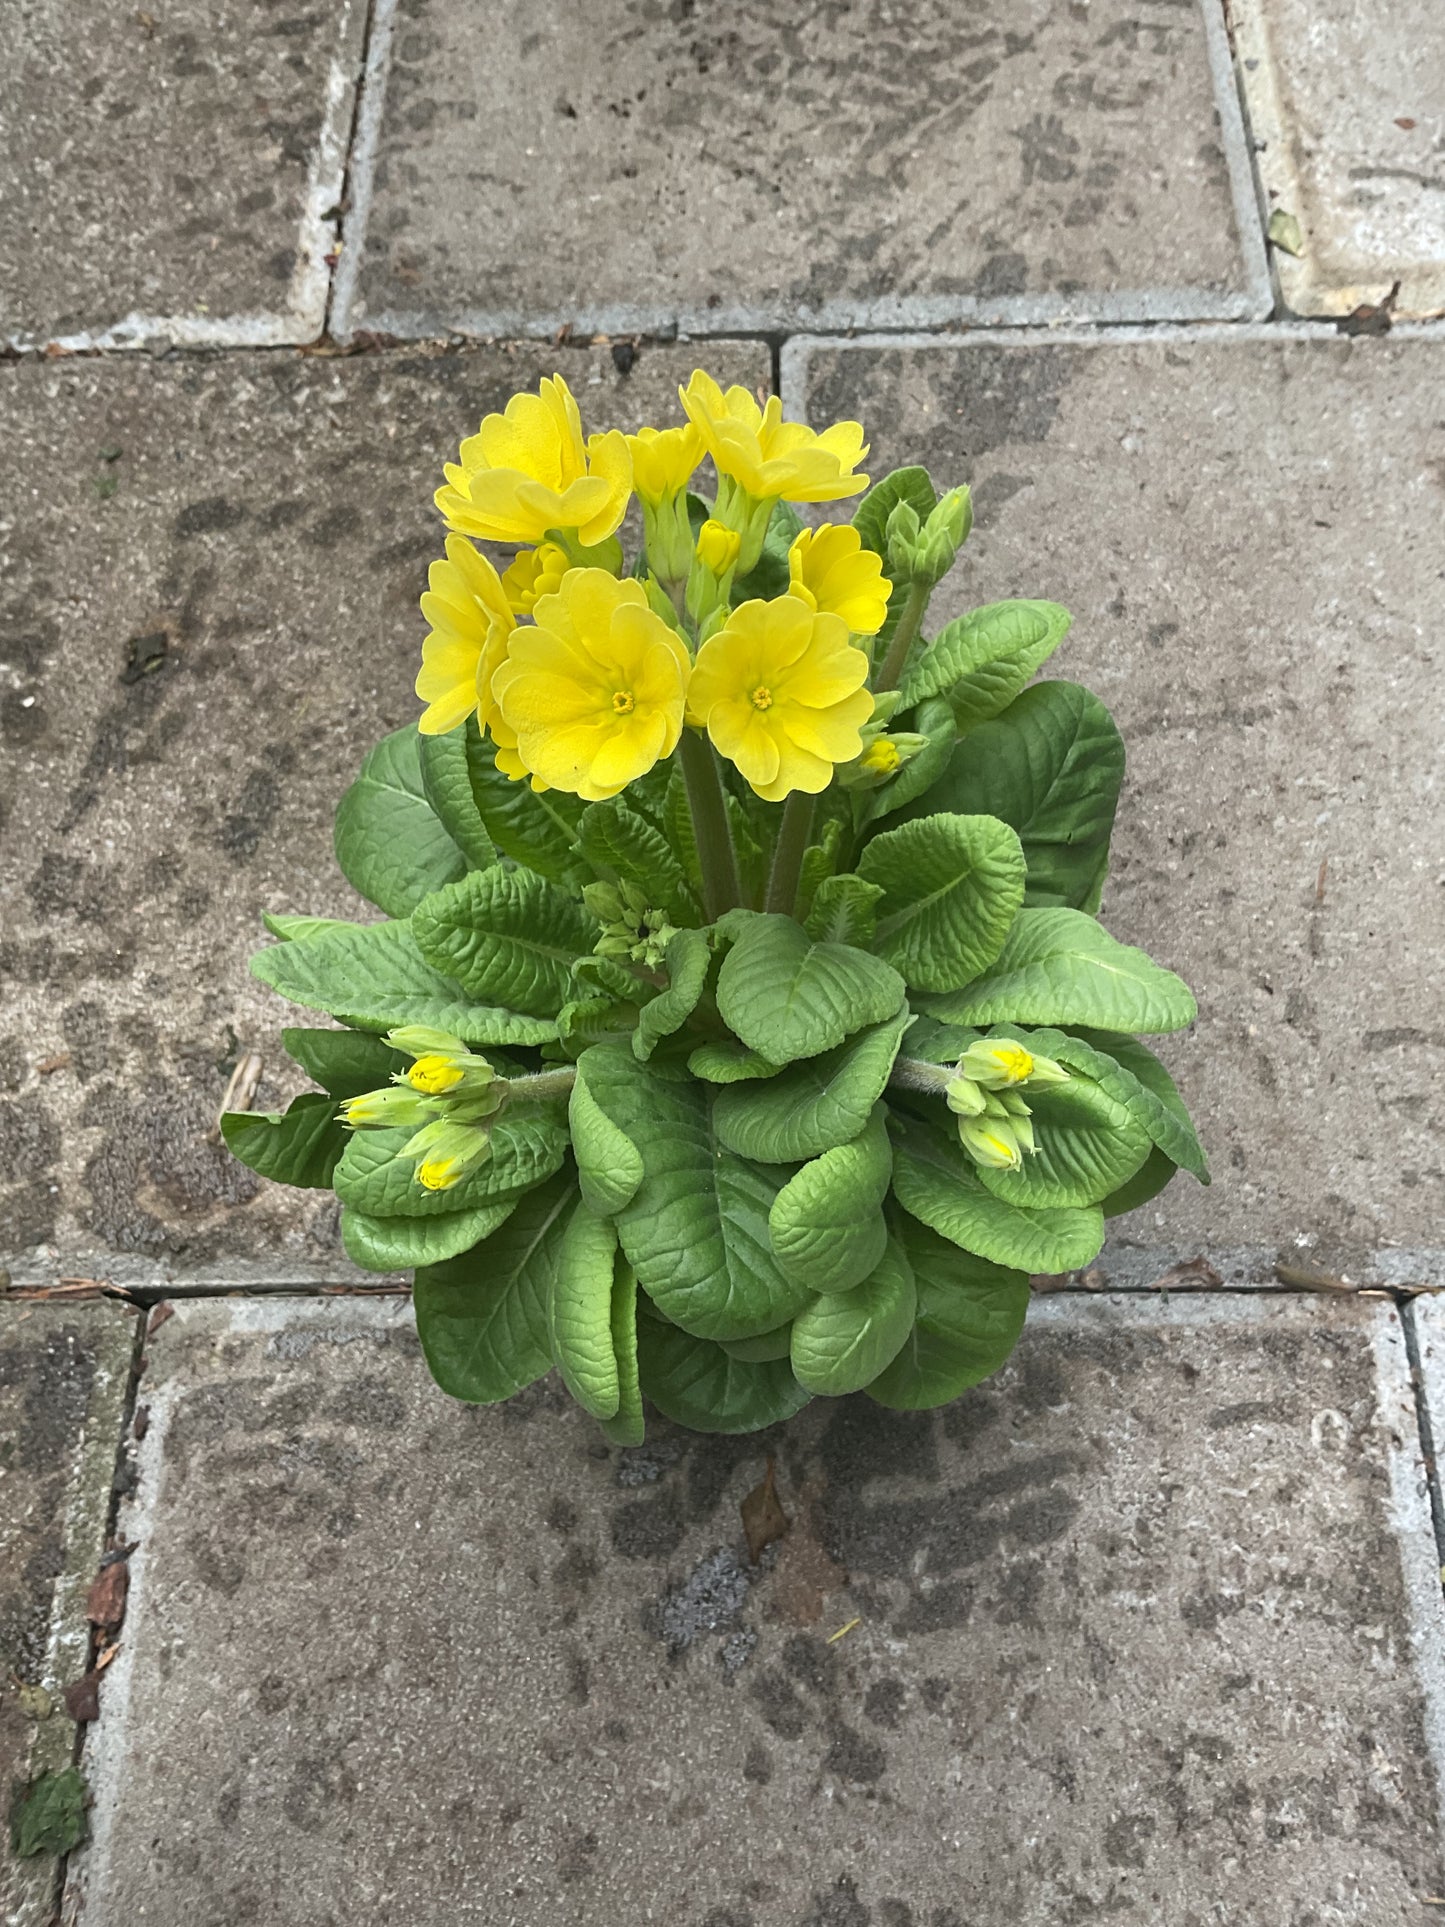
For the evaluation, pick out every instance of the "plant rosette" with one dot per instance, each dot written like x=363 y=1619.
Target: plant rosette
x=740 y=1026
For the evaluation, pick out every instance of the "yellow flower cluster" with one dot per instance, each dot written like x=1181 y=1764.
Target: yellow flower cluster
x=584 y=678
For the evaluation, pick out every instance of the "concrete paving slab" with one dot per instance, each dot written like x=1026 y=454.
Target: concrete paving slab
x=1247 y=532
x=172 y=173
x=64 y=1375
x=1147 y=1630
x=209 y=573
x=1346 y=107
x=648 y=166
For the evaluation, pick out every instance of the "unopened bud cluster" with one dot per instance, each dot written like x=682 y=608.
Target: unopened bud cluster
x=632 y=932
x=922 y=552
x=449 y=1098
x=995 y=1123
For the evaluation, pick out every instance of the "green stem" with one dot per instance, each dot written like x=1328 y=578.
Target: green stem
x=715 y=854
x=912 y=1074
x=793 y=834
x=542 y=1084
x=913 y=608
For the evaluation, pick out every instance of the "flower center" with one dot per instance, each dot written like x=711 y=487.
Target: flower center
x=623 y=702
x=762 y=697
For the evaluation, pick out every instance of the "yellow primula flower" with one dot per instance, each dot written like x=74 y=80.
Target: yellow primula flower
x=779 y=689
x=832 y=571
x=663 y=460
x=767 y=457
x=533 y=573
x=470 y=619
x=594 y=693
x=529 y=470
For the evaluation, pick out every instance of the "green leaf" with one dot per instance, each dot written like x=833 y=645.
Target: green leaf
x=763 y=1349
x=1160 y=1107
x=536 y=829
x=1050 y=766
x=697 y=1384
x=609 y=1164
x=937 y=1184
x=618 y=843
x=344 y=1062
x=627 y=1425
x=374 y=976
x=1060 y=967
x=1088 y=1144
x=729 y=1063
x=48 y=1814
x=687 y=957
x=389 y=842
x=935 y=721
x=528 y=1145
x=297 y=929
x=845 y=910
x=826 y=1224
x=1147 y=1182
x=843 y=1341
x=937 y=1043
x=446 y=776
x=593 y=1020
x=678 y=826
x=696 y=1230
x=787 y=996
x=300 y=1145
x=952 y=886
x=970 y=1314
x=982 y=660
x=814 y=1105
x=482 y=1318
x=404 y=1244
x=579 y=1313
x=593 y=973
x=912 y=485
x=507 y=937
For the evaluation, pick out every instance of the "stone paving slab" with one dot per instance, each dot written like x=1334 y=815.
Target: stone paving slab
x=172 y=173
x=1247 y=531
x=628 y=165
x=1346 y=105
x=1146 y=1630
x=209 y=573
x=64 y=1374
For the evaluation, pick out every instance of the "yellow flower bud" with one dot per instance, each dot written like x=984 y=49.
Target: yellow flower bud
x=996 y=1065
x=717 y=547
x=384 y=1108
x=881 y=757
x=445 y=1152
x=435 y=1074
x=992 y=1142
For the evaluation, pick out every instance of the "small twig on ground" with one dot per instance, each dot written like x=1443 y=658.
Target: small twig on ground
x=240 y=1091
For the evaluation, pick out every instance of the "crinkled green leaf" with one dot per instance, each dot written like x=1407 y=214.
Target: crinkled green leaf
x=535 y=828
x=374 y=976
x=787 y=996
x=627 y=1425
x=969 y=1317
x=1160 y=1106
x=390 y=844
x=528 y=1145
x=813 y=1105
x=1060 y=967
x=482 y=1318
x=913 y=485
x=826 y=1224
x=446 y=775
x=729 y=1063
x=344 y=1062
x=697 y=1384
x=579 y=1313
x=841 y=1342
x=609 y=1164
x=686 y=958
x=952 y=886
x=1050 y=766
x=938 y=1185
x=844 y=910
x=507 y=937
x=403 y=1244
x=983 y=659
x=619 y=843
x=937 y=1043
x=696 y=1230
x=1147 y=1182
x=297 y=929
x=300 y=1145
x=1087 y=1144
x=763 y=1349
x=678 y=826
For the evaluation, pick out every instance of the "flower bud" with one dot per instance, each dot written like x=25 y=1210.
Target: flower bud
x=381 y=1109
x=964 y=1097
x=900 y=537
x=718 y=548
x=445 y=1151
x=992 y=1142
x=416 y=1040
x=995 y=1064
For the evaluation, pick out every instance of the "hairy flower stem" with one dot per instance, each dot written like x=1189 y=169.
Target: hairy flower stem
x=715 y=854
x=908 y=1074
x=913 y=609
x=793 y=834
x=541 y=1085
x=912 y=1074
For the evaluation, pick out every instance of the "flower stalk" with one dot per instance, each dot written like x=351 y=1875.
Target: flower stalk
x=894 y=662
x=716 y=857
x=793 y=835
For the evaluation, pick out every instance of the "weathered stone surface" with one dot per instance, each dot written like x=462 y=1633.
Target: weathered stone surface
x=631 y=164
x=174 y=172
x=209 y=574
x=1346 y=102
x=64 y=1371
x=1268 y=640
x=1130 y=1638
